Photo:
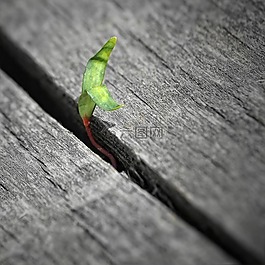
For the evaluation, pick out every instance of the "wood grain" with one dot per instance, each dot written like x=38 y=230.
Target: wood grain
x=61 y=204
x=194 y=69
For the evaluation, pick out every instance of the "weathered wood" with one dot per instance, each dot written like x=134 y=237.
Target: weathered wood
x=61 y=204
x=193 y=68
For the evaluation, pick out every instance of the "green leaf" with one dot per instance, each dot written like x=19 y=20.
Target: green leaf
x=101 y=96
x=86 y=105
x=96 y=66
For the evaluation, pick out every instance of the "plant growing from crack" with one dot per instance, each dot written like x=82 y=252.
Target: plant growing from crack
x=94 y=92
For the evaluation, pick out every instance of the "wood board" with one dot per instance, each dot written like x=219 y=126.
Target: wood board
x=194 y=69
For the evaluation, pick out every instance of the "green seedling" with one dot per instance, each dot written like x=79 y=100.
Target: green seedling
x=95 y=93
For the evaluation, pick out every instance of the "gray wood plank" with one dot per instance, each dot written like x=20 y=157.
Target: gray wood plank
x=61 y=204
x=193 y=68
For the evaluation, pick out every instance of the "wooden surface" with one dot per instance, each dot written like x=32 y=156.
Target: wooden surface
x=194 y=69
x=61 y=204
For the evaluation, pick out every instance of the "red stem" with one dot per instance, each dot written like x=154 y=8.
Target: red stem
x=86 y=123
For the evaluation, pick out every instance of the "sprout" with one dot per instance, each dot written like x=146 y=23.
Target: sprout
x=94 y=92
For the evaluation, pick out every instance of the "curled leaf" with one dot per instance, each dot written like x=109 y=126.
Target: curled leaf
x=96 y=66
x=101 y=96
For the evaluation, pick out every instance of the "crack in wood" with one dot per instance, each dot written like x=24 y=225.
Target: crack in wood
x=92 y=235
x=4 y=187
x=12 y=235
x=162 y=61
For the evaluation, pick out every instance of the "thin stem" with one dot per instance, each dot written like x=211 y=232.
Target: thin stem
x=86 y=123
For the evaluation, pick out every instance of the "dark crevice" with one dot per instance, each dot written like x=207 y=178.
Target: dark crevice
x=40 y=86
x=55 y=184
x=4 y=187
